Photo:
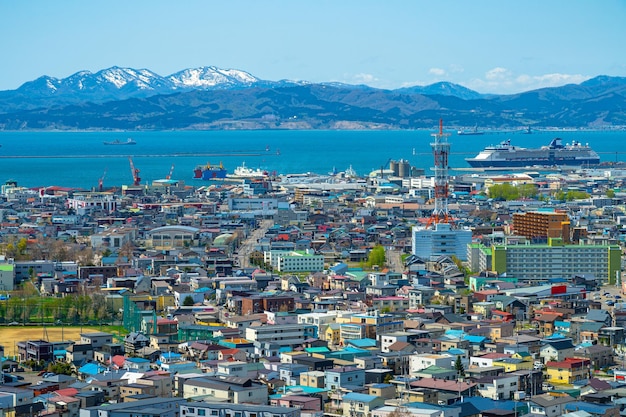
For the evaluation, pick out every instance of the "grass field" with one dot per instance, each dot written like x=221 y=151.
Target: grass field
x=10 y=335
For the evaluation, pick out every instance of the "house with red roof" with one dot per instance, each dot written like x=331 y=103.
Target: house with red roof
x=568 y=371
x=232 y=355
x=502 y=316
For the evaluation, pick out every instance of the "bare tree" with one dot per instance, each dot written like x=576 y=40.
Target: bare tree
x=400 y=411
x=127 y=250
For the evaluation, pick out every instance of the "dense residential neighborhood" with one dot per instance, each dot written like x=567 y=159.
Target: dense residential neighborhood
x=304 y=295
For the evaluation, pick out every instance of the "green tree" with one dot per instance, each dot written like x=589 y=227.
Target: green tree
x=527 y=190
x=376 y=256
x=503 y=192
x=610 y=193
x=21 y=246
x=188 y=301
x=458 y=367
x=462 y=268
x=10 y=251
x=570 y=195
x=60 y=368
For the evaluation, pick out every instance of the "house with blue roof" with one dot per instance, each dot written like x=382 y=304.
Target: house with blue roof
x=563 y=327
x=486 y=404
x=339 y=269
x=90 y=369
x=360 y=405
x=595 y=409
x=137 y=364
x=453 y=333
x=476 y=343
x=365 y=343
x=347 y=354
x=169 y=357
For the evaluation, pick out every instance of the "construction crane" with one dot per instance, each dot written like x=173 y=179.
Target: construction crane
x=101 y=180
x=382 y=167
x=169 y=176
x=135 y=172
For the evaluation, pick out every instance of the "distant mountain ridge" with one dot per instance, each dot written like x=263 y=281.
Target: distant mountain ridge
x=214 y=98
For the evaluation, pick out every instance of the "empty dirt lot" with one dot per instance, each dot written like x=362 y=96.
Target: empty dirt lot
x=10 y=335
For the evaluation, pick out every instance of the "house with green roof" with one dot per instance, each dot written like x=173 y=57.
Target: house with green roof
x=436 y=372
x=7 y=277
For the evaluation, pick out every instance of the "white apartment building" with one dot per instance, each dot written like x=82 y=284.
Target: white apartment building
x=422 y=361
x=284 y=335
x=500 y=387
x=113 y=239
x=222 y=409
x=420 y=296
x=87 y=203
x=294 y=261
x=318 y=319
x=441 y=241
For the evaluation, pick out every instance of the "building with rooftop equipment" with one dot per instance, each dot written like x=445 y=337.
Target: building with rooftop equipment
x=440 y=238
x=542 y=225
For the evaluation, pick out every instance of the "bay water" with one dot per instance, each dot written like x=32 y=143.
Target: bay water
x=79 y=159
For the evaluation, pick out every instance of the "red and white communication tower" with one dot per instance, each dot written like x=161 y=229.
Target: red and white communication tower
x=441 y=151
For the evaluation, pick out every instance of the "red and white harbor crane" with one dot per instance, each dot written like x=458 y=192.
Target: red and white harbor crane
x=169 y=176
x=135 y=172
x=101 y=181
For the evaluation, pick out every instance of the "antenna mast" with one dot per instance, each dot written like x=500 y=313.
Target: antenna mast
x=441 y=151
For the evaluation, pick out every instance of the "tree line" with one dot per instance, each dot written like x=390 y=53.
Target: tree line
x=71 y=309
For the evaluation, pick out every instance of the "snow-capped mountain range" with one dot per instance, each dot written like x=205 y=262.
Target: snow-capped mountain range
x=118 y=83
x=129 y=79
x=212 y=98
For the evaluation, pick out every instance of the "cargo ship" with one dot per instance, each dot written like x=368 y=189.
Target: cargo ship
x=473 y=132
x=209 y=172
x=505 y=155
x=128 y=141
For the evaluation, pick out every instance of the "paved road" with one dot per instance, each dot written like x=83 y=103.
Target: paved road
x=394 y=260
x=248 y=245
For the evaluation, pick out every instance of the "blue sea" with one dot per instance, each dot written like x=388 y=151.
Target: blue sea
x=79 y=159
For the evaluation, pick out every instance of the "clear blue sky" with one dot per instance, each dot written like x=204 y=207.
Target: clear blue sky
x=491 y=46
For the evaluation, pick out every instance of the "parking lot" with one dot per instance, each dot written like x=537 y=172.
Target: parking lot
x=608 y=295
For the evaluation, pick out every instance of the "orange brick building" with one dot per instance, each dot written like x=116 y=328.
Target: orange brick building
x=537 y=224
